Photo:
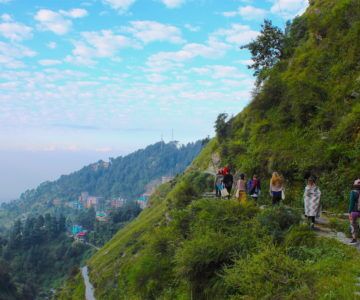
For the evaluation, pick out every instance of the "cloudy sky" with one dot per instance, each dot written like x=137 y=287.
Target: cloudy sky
x=110 y=76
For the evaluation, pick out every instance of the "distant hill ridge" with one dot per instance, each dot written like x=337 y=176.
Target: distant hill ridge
x=124 y=176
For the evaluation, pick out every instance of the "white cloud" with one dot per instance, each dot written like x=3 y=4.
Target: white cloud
x=151 y=31
x=75 y=13
x=173 y=3
x=245 y=62
x=53 y=21
x=192 y=27
x=58 y=22
x=289 y=8
x=120 y=5
x=251 y=13
x=11 y=55
x=15 y=31
x=219 y=72
x=212 y=49
x=106 y=43
x=6 y=18
x=230 y=14
x=247 y=12
x=49 y=62
x=237 y=34
x=51 y=45
x=223 y=71
x=156 y=78
x=98 y=44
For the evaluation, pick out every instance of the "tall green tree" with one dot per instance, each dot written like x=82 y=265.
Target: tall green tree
x=266 y=49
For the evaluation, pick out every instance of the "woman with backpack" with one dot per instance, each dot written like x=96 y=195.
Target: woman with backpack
x=277 y=190
x=228 y=182
x=254 y=187
x=354 y=210
x=312 y=201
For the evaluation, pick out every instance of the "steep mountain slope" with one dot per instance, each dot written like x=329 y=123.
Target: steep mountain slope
x=124 y=177
x=304 y=118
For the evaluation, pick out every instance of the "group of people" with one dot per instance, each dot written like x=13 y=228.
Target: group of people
x=224 y=183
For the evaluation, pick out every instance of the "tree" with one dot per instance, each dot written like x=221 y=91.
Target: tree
x=266 y=49
x=221 y=126
x=15 y=240
x=62 y=223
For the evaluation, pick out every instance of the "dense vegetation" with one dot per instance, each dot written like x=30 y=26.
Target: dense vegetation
x=125 y=177
x=37 y=256
x=187 y=247
x=101 y=232
x=304 y=118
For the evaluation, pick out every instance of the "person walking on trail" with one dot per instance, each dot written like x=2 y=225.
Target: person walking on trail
x=218 y=183
x=241 y=189
x=254 y=187
x=277 y=190
x=228 y=182
x=354 y=210
x=312 y=201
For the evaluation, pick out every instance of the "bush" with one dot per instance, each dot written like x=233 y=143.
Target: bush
x=278 y=220
x=268 y=274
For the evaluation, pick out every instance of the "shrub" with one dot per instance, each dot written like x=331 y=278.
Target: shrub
x=278 y=220
x=268 y=274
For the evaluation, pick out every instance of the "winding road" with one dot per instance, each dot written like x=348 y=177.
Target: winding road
x=89 y=289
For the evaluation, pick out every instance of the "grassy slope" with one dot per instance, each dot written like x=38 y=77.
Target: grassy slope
x=106 y=265
x=305 y=118
x=74 y=289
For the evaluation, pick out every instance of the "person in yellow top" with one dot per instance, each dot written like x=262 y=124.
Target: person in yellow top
x=241 y=189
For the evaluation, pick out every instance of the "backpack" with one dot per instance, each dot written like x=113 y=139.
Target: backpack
x=357 y=205
x=228 y=180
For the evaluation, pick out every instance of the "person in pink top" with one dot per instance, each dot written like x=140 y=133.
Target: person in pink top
x=241 y=189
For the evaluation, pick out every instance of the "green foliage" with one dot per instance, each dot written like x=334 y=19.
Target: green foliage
x=222 y=127
x=277 y=220
x=304 y=118
x=219 y=249
x=190 y=187
x=74 y=289
x=125 y=177
x=8 y=289
x=266 y=49
x=39 y=256
x=104 y=231
x=267 y=274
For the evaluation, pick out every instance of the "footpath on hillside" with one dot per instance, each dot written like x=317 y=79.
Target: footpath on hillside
x=89 y=289
x=325 y=227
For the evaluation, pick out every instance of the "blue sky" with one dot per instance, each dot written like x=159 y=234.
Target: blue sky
x=115 y=75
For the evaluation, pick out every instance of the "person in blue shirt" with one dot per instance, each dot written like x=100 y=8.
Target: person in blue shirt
x=354 y=210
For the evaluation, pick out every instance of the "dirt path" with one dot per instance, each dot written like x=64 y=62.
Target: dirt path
x=89 y=289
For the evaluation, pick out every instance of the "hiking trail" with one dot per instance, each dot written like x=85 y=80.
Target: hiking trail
x=89 y=289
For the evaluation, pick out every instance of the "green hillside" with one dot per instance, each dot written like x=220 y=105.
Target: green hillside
x=125 y=177
x=304 y=118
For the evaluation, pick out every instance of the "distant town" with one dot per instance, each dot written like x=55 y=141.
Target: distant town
x=103 y=207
